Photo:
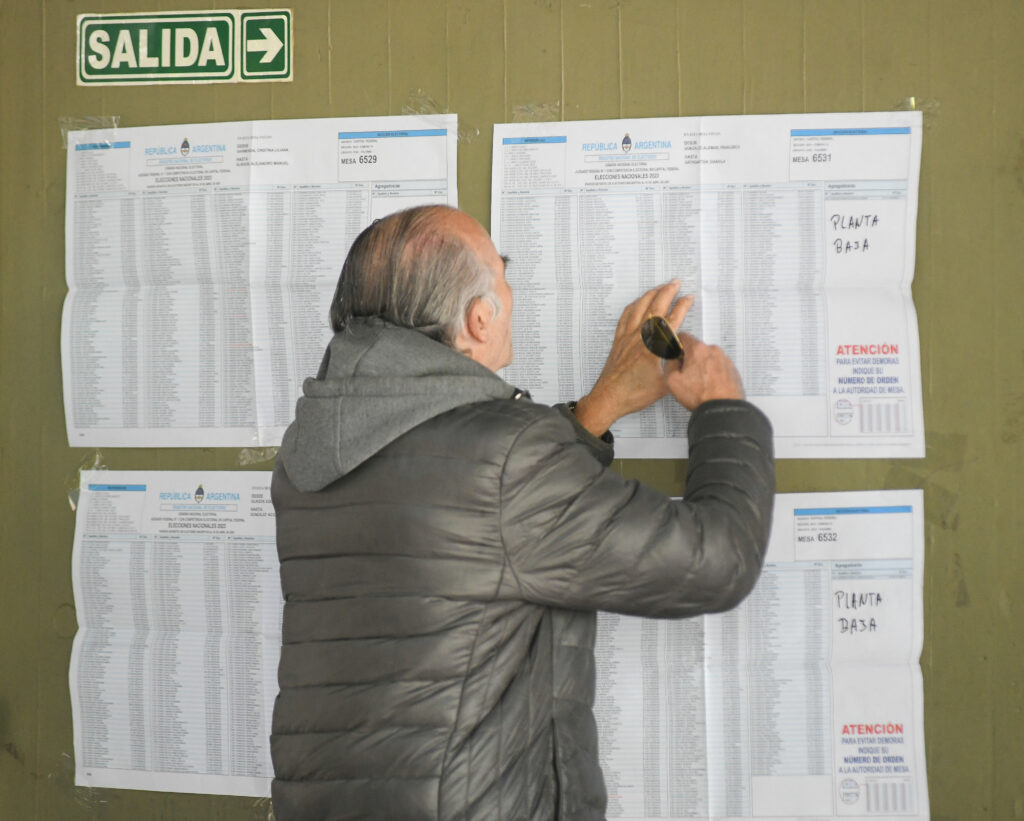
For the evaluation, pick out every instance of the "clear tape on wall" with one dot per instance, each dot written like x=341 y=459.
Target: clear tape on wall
x=420 y=102
x=93 y=460
x=88 y=123
x=256 y=456
x=928 y=106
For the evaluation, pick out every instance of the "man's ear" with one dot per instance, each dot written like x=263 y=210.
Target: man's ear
x=478 y=321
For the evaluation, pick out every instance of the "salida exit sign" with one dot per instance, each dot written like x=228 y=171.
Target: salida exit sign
x=224 y=46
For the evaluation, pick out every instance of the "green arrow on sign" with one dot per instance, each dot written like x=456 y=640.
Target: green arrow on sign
x=270 y=45
x=267 y=39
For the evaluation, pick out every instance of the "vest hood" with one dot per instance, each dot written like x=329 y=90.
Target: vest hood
x=377 y=381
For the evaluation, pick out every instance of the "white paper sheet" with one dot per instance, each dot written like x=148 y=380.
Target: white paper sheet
x=795 y=232
x=201 y=261
x=804 y=702
x=174 y=667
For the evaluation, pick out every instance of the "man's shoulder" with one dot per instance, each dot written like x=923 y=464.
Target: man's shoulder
x=507 y=415
x=496 y=425
x=532 y=428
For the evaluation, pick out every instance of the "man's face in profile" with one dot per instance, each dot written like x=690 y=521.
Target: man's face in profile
x=499 y=341
x=503 y=321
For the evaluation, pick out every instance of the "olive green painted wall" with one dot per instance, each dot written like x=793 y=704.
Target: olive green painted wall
x=960 y=61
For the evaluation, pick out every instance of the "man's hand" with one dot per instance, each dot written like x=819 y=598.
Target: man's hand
x=707 y=373
x=632 y=377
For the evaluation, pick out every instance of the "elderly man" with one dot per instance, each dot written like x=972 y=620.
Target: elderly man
x=445 y=542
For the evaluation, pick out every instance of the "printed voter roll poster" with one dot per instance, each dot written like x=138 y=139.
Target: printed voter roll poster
x=201 y=260
x=806 y=701
x=178 y=596
x=795 y=233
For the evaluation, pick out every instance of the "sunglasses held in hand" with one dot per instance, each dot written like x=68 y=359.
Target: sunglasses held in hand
x=660 y=339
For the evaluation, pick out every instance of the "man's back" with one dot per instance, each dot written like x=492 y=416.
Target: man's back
x=438 y=630
x=427 y=682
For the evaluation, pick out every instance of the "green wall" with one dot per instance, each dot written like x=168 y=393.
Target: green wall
x=960 y=61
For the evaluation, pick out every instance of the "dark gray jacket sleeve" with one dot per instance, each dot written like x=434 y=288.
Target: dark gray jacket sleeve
x=579 y=536
x=602 y=447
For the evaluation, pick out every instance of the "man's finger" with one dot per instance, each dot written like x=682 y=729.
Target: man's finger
x=662 y=297
x=673 y=366
x=679 y=311
x=690 y=344
x=654 y=301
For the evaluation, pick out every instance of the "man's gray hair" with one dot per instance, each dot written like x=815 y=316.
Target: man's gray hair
x=409 y=268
